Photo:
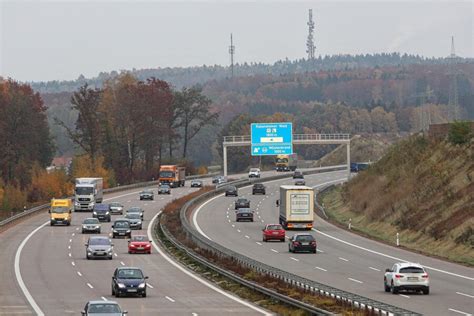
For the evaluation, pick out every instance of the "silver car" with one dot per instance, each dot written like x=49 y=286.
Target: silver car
x=135 y=220
x=136 y=210
x=116 y=208
x=147 y=194
x=91 y=225
x=99 y=247
x=109 y=308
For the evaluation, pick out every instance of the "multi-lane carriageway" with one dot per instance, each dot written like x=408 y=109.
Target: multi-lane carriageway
x=344 y=260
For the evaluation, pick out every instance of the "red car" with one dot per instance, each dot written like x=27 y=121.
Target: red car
x=273 y=231
x=139 y=244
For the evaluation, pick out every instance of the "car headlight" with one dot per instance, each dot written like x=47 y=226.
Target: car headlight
x=142 y=285
x=84 y=226
x=115 y=231
x=128 y=230
x=139 y=222
x=95 y=213
x=89 y=250
x=76 y=204
x=121 y=285
x=106 y=213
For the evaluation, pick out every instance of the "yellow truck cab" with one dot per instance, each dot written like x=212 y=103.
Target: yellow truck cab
x=60 y=211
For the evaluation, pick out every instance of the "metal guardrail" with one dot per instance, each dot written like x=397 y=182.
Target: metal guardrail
x=296 y=137
x=355 y=300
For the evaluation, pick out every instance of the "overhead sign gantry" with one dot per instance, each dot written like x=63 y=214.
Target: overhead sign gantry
x=271 y=139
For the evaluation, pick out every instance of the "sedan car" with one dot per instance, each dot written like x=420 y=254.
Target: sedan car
x=300 y=182
x=272 y=232
x=100 y=308
x=116 y=208
x=243 y=214
x=99 y=247
x=242 y=203
x=139 y=244
x=406 y=276
x=258 y=188
x=136 y=209
x=101 y=211
x=298 y=175
x=147 y=194
x=196 y=183
x=121 y=227
x=90 y=225
x=231 y=191
x=164 y=189
x=302 y=242
x=135 y=220
x=127 y=280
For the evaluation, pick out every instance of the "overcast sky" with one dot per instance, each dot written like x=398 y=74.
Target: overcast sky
x=62 y=39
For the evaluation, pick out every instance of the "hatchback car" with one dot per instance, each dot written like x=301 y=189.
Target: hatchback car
x=139 y=244
x=109 y=308
x=101 y=211
x=147 y=194
x=116 y=208
x=254 y=173
x=196 y=183
x=242 y=203
x=300 y=182
x=272 y=232
x=258 y=188
x=121 y=227
x=302 y=242
x=298 y=175
x=164 y=189
x=99 y=247
x=127 y=280
x=136 y=209
x=91 y=225
x=231 y=191
x=135 y=220
x=406 y=276
x=243 y=214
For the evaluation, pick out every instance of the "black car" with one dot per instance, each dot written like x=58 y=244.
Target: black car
x=243 y=214
x=121 y=227
x=258 y=188
x=196 y=184
x=99 y=247
x=298 y=175
x=242 y=203
x=164 y=189
x=147 y=194
x=231 y=190
x=302 y=242
x=101 y=211
x=128 y=281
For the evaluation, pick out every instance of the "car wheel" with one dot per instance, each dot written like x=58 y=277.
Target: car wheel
x=88 y=258
x=264 y=239
x=113 y=292
x=386 y=287
x=83 y=231
x=144 y=294
x=315 y=250
x=289 y=249
x=129 y=252
x=141 y=227
x=426 y=290
x=393 y=289
x=98 y=231
x=110 y=258
x=149 y=252
x=117 y=294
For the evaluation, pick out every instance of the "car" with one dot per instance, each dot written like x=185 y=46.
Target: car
x=136 y=209
x=99 y=247
x=101 y=211
x=254 y=173
x=273 y=231
x=215 y=179
x=90 y=225
x=300 y=182
x=196 y=183
x=243 y=214
x=164 y=189
x=231 y=190
x=135 y=220
x=298 y=175
x=242 y=203
x=109 y=308
x=406 y=276
x=258 y=188
x=147 y=194
x=116 y=208
x=302 y=242
x=121 y=227
x=139 y=244
x=221 y=180
x=129 y=280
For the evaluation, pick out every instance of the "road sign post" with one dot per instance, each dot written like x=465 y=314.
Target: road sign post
x=271 y=139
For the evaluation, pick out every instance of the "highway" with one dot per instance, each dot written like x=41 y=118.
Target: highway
x=344 y=260
x=60 y=280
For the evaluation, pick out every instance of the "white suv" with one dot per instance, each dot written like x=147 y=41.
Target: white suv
x=406 y=276
x=254 y=173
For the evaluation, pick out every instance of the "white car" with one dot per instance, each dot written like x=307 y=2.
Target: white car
x=254 y=173
x=406 y=276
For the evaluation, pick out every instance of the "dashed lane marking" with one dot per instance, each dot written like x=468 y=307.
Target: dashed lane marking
x=170 y=299
x=464 y=294
x=354 y=280
x=343 y=259
x=150 y=286
x=73 y=263
x=258 y=243
x=294 y=259
x=79 y=273
x=375 y=269
x=274 y=250
x=247 y=237
x=322 y=269
x=121 y=262
x=90 y=285
x=459 y=312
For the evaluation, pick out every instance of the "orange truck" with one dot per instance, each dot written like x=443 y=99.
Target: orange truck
x=172 y=175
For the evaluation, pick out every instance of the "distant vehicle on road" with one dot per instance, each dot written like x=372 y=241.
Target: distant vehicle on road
x=101 y=308
x=221 y=180
x=215 y=179
x=99 y=247
x=147 y=194
x=300 y=182
x=298 y=175
x=164 y=189
x=196 y=183
x=243 y=214
x=406 y=276
x=121 y=228
x=231 y=191
x=258 y=188
x=91 y=225
x=136 y=209
x=102 y=212
x=254 y=173
x=359 y=166
x=60 y=212
x=242 y=203
x=272 y=232
x=87 y=193
x=296 y=205
x=128 y=281
x=116 y=208
x=286 y=162
x=172 y=175
x=302 y=242
x=139 y=244
x=135 y=220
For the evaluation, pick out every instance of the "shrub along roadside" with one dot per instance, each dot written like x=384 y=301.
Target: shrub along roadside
x=172 y=222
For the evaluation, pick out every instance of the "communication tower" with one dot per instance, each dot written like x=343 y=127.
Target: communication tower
x=453 y=84
x=310 y=47
x=231 y=52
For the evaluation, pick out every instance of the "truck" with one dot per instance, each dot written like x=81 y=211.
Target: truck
x=296 y=207
x=60 y=212
x=172 y=175
x=286 y=162
x=88 y=192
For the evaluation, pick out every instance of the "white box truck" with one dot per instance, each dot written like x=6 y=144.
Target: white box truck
x=88 y=192
x=296 y=207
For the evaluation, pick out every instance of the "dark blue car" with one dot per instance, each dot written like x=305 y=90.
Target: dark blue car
x=101 y=211
x=129 y=281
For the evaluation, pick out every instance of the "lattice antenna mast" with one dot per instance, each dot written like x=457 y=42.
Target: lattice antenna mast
x=453 y=84
x=310 y=47
x=231 y=52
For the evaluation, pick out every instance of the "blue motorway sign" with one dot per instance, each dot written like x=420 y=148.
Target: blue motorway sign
x=271 y=139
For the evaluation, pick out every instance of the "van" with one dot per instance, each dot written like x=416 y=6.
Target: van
x=60 y=212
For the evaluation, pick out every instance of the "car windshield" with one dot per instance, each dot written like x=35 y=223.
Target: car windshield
x=231 y=188
x=258 y=185
x=121 y=224
x=274 y=227
x=147 y=191
x=305 y=238
x=115 y=204
x=242 y=201
x=165 y=187
x=134 y=209
x=244 y=210
x=139 y=238
x=130 y=274
x=59 y=209
x=91 y=221
x=99 y=241
x=84 y=190
x=133 y=216
x=166 y=174
x=282 y=160
x=254 y=170
x=104 y=308
x=411 y=270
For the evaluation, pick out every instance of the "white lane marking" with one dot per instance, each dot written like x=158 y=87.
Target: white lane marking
x=195 y=314
x=70 y=240
x=69 y=254
x=258 y=243
x=403 y=295
x=103 y=298
x=233 y=225
x=375 y=269
x=464 y=294
x=192 y=275
x=319 y=268
x=460 y=312
x=73 y=263
x=77 y=228
x=274 y=250
x=354 y=280
x=210 y=238
x=90 y=285
x=73 y=234
x=294 y=259
x=79 y=273
x=68 y=247
x=343 y=259
x=263 y=221
x=321 y=251
x=150 y=286
x=170 y=299
x=115 y=254
x=238 y=230
x=121 y=262
x=247 y=237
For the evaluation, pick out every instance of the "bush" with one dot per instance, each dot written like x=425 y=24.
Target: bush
x=459 y=132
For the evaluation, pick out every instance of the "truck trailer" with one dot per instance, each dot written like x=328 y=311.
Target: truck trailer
x=172 y=175
x=88 y=192
x=286 y=162
x=296 y=207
